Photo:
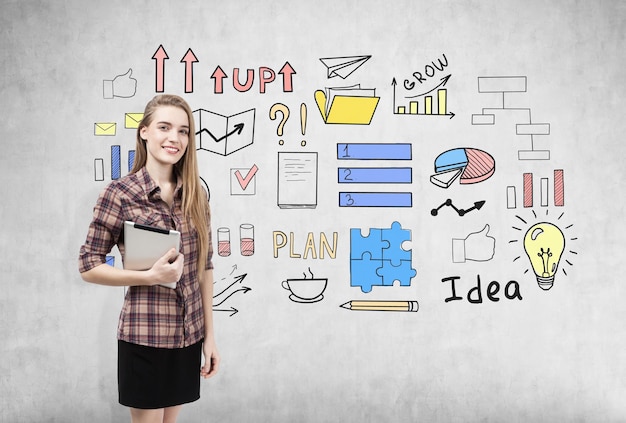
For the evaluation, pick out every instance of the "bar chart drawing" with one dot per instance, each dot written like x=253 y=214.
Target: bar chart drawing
x=505 y=86
x=557 y=189
x=430 y=103
x=374 y=175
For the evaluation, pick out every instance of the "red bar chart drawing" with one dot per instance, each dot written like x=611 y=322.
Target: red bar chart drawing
x=528 y=191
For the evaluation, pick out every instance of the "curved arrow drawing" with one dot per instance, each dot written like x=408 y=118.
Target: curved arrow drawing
x=243 y=289
x=238 y=279
x=444 y=81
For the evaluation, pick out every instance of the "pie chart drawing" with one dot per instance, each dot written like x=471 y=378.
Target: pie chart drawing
x=469 y=165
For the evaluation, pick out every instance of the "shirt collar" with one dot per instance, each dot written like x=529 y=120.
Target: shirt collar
x=151 y=188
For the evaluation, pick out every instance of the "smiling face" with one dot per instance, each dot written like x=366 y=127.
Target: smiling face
x=166 y=136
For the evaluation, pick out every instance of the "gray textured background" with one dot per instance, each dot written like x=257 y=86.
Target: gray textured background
x=554 y=356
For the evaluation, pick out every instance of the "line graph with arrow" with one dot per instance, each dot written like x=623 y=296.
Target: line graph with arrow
x=461 y=212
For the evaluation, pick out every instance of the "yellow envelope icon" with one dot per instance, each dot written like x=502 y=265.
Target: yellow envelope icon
x=346 y=109
x=104 y=128
x=131 y=120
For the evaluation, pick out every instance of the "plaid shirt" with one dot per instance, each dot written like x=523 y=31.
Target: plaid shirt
x=151 y=315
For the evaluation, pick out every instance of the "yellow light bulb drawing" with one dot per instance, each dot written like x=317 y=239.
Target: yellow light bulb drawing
x=544 y=243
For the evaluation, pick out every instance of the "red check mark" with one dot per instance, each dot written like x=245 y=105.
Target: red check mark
x=245 y=181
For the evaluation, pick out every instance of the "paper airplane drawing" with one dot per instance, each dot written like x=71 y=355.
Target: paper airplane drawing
x=343 y=66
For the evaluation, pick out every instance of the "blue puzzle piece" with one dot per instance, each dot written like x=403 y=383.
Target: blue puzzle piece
x=373 y=244
x=396 y=236
x=363 y=272
x=390 y=273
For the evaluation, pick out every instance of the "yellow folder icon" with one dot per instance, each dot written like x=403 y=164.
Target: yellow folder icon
x=346 y=108
x=104 y=128
x=131 y=120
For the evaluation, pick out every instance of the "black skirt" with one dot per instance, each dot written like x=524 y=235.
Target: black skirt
x=151 y=378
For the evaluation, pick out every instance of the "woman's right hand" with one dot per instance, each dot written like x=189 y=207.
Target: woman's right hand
x=167 y=269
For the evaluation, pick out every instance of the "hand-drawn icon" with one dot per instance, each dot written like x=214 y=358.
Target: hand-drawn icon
x=305 y=289
x=189 y=59
x=379 y=259
x=378 y=305
x=224 y=135
x=106 y=129
x=461 y=212
x=544 y=244
x=343 y=66
x=123 y=86
x=284 y=111
x=246 y=239
x=116 y=162
x=297 y=180
x=426 y=100
x=132 y=120
x=303 y=117
x=512 y=84
x=223 y=242
x=229 y=292
x=242 y=181
x=98 y=169
x=160 y=56
x=374 y=175
x=351 y=105
x=110 y=260
x=470 y=165
x=477 y=246
x=528 y=191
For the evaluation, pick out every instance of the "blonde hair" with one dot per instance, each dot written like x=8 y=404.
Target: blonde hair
x=195 y=205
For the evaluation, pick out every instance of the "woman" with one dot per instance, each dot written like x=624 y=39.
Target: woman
x=162 y=332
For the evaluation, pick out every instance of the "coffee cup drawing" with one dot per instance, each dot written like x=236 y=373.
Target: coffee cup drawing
x=306 y=290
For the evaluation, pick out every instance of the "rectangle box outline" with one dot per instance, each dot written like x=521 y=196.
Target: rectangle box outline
x=405 y=175
x=511 y=198
x=398 y=151
x=542 y=128
x=504 y=80
x=544 y=192
x=492 y=120
x=533 y=154
x=401 y=195
x=98 y=169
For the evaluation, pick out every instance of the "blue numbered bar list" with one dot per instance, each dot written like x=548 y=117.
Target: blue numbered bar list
x=375 y=199
x=362 y=151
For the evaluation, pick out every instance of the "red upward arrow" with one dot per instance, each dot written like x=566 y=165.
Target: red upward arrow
x=189 y=59
x=287 y=71
x=218 y=75
x=160 y=56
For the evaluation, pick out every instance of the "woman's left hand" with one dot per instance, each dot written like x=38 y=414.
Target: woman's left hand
x=211 y=359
